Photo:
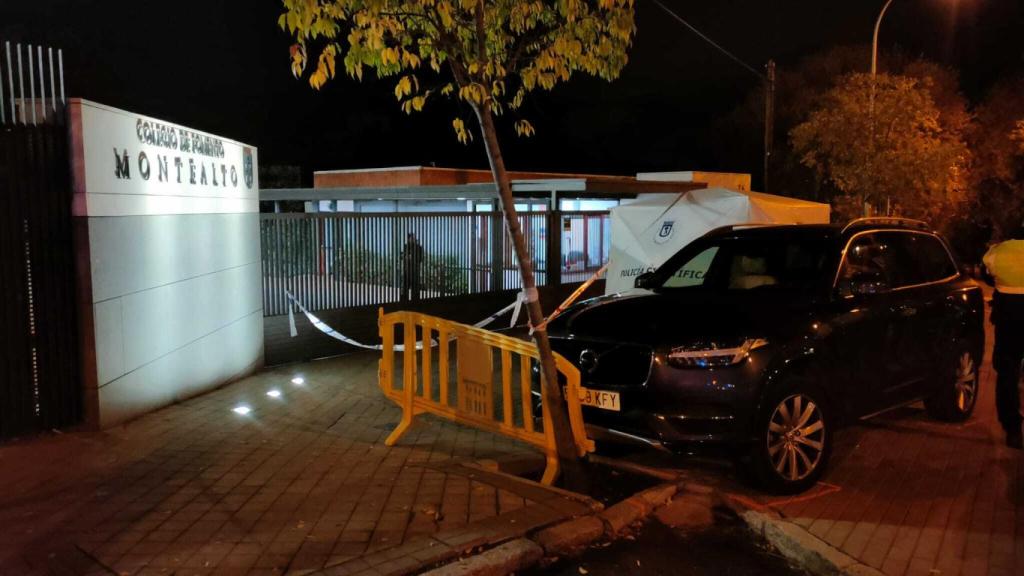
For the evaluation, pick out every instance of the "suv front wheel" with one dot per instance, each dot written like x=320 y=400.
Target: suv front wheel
x=955 y=400
x=794 y=440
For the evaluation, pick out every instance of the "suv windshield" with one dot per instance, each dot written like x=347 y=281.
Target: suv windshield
x=749 y=263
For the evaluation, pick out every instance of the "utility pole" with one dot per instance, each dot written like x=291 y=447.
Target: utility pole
x=769 y=119
x=769 y=80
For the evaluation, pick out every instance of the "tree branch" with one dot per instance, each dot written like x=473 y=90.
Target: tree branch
x=481 y=34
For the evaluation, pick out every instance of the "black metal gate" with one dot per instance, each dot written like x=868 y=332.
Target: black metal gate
x=39 y=384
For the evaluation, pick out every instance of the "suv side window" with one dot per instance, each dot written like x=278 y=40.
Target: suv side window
x=887 y=260
x=870 y=265
x=693 y=272
x=917 y=258
x=777 y=261
x=924 y=259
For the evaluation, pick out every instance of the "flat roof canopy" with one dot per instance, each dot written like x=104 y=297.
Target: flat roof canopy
x=591 y=188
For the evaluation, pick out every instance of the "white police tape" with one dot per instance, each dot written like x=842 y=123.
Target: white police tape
x=323 y=327
x=569 y=301
x=520 y=298
x=515 y=313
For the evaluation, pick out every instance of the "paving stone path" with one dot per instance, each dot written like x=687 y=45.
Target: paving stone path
x=301 y=483
x=911 y=496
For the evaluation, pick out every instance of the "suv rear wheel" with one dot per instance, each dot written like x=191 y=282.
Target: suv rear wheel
x=955 y=400
x=794 y=440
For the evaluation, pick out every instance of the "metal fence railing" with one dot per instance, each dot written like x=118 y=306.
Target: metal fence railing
x=585 y=242
x=31 y=85
x=341 y=260
x=39 y=378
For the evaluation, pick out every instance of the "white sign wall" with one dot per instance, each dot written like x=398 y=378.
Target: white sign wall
x=133 y=165
x=169 y=260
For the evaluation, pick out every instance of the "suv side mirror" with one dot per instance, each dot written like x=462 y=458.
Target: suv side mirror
x=644 y=280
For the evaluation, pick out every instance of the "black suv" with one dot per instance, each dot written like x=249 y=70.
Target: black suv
x=769 y=337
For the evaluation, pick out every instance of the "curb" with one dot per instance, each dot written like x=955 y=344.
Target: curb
x=565 y=538
x=573 y=535
x=799 y=545
x=569 y=537
x=504 y=559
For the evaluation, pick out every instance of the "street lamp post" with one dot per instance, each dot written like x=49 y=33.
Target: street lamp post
x=874 y=41
x=871 y=100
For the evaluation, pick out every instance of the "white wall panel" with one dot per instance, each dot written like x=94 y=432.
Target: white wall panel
x=136 y=253
x=129 y=205
x=160 y=320
x=109 y=340
x=229 y=353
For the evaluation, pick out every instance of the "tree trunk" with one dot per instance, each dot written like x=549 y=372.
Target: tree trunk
x=551 y=392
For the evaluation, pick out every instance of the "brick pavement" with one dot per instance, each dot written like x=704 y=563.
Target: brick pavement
x=301 y=483
x=911 y=496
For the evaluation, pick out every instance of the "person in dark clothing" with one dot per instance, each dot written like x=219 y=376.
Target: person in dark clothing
x=1005 y=264
x=412 y=269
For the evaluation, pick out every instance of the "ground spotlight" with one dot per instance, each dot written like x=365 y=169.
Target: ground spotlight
x=298 y=380
x=241 y=409
x=274 y=393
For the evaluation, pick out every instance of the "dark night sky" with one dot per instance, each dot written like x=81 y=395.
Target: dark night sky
x=223 y=67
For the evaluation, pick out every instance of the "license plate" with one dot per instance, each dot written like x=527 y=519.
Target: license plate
x=602 y=399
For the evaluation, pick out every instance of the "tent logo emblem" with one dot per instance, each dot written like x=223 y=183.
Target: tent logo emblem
x=667 y=228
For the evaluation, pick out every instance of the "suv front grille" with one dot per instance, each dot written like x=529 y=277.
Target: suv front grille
x=607 y=363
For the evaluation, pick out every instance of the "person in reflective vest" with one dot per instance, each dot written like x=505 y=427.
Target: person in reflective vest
x=1005 y=264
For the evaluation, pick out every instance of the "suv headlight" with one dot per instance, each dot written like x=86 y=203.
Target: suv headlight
x=713 y=354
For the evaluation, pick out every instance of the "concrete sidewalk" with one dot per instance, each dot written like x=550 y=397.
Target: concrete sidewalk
x=911 y=496
x=301 y=483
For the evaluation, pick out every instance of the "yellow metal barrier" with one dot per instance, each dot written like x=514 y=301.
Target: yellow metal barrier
x=475 y=381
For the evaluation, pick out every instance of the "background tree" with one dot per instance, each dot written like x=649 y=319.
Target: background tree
x=489 y=54
x=800 y=88
x=901 y=153
x=997 y=141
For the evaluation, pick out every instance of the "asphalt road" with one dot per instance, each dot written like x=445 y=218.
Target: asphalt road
x=726 y=548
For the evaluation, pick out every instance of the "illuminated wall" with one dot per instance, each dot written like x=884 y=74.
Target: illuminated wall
x=168 y=260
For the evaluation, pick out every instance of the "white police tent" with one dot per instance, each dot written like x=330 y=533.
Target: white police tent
x=649 y=230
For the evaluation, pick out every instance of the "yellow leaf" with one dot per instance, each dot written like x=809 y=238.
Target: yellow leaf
x=298 y=55
x=403 y=87
x=410 y=60
x=464 y=136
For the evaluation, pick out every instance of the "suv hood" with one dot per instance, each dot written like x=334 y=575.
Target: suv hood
x=679 y=316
